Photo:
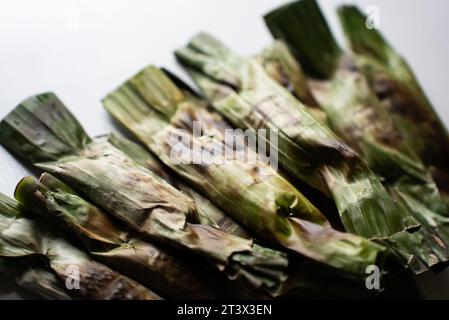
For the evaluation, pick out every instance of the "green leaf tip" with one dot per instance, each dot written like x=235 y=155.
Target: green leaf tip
x=302 y=26
x=41 y=128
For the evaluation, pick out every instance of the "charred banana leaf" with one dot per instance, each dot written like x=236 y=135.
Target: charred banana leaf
x=208 y=213
x=159 y=113
x=110 y=242
x=34 y=278
x=396 y=86
x=355 y=113
x=42 y=131
x=65 y=271
x=307 y=149
x=281 y=66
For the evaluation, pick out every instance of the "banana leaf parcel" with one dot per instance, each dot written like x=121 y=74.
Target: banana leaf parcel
x=160 y=114
x=66 y=271
x=242 y=91
x=307 y=279
x=34 y=278
x=208 y=213
x=112 y=243
x=395 y=84
x=42 y=131
x=280 y=65
x=355 y=113
x=27 y=273
x=173 y=278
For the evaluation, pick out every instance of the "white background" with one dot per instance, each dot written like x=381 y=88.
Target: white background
x=83 y=49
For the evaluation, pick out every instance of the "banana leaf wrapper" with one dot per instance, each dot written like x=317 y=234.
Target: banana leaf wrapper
x=285 y=23
x=280 y=64
x=355 y=113
x=111 y=243
x=396 y=86
x=155 y=110
x=307 y=279
x=34 y=278
x=30 y=275
x=42 y=131
x=207 y=212
x=307 y=150
x=22 y=239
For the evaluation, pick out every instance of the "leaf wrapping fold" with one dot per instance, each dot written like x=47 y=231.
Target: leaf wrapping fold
x=26 y=241
x=253 y=194
x=139 y=198
x=110 y=242
x=355 y=113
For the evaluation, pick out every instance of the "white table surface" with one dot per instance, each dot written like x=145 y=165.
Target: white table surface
x=83 y=49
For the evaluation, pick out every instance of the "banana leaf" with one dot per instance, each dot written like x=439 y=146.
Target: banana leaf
x=400 y=93
x=156 y=110
x=307 y=149
x=285 y=23
x=207 y=212
x=111 y=243
x=307 y=279
x=280 y=64
x=42 y=131
x=29 y=274
x=394 y=82
x=35 y=278
x=24 y=241
x=355 y=113
x=115 y=246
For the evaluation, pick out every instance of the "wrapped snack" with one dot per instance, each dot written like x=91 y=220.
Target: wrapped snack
x=156 y=110
x=24 y=242
x=45 y=133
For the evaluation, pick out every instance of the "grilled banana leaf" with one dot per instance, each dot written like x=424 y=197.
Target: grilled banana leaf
x=208 y=213
x=355 y=113
x=396 y=86
x=58 y=262
x=307 y=149
x=158 y=113
x=42 y=131
x=35 y=278
x=279 y=63
x=110 y=242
